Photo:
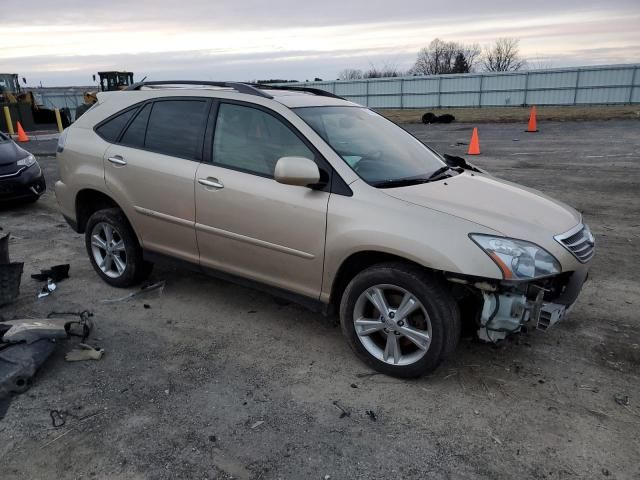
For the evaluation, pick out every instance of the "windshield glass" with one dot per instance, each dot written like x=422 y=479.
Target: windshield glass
x=375 y=148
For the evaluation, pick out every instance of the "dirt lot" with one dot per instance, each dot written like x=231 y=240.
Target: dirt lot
x=184 y=384
x=517 y=114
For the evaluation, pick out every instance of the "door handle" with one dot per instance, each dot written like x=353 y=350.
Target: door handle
x=117 y=160
x=211 y=182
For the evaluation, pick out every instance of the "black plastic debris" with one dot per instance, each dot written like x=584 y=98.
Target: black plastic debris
x=372 y=415
x=10 y=274
x=56 y=274
x=18 y=364
x=25 y=345
x=430 y=117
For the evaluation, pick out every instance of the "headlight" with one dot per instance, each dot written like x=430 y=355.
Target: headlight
x=517 y=259
x=27 y=161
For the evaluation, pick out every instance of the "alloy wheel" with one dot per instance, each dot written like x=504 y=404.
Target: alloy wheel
x=392 y=324
x=108 y=249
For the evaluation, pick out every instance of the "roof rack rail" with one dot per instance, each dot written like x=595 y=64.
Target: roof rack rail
x=315 y=91
x=237 y=86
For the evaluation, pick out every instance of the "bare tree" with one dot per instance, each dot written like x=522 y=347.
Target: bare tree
x=440 y=57
x=350 y=74
x=382 y=72
x=503 y=56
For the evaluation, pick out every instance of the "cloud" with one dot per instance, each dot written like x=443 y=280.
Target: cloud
x=69 y=40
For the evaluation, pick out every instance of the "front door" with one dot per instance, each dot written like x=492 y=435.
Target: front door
x=249 y=225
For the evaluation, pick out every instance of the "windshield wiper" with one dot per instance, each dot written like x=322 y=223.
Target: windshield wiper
x=438 y=173
x=400 y=182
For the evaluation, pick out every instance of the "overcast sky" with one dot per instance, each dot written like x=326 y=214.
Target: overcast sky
x=64 y=42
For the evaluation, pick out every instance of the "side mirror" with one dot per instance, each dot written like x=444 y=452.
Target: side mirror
x=298 y=171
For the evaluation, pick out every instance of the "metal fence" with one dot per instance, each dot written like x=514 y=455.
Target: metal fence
x=70 y=98
x=597 y=85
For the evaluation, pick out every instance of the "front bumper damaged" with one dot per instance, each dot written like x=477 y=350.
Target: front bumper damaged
x=506 y=313
x=507 y=307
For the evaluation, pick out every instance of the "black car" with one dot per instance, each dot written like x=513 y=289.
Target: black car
x=20 y=175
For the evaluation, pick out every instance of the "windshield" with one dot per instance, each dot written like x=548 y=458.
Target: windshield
x=376 y=149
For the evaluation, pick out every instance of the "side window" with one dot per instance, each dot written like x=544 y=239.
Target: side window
x=134 y=135
x=251 y=140
x=176 y=128
x=110 y=130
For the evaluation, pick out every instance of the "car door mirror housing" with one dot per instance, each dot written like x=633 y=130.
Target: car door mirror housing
x=298 y=171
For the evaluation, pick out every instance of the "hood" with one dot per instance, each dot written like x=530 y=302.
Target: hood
x=11 y=153
x=505 y=207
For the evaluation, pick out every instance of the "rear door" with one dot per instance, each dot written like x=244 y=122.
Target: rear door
x=151 y=170
x=247 y=223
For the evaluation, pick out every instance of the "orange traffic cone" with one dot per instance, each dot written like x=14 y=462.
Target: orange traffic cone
x=533 y=125
x=474 y=146
x=22 y=137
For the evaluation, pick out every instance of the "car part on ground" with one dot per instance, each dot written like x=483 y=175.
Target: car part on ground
x=57 y=273
x=27 y=343
x=10 y=274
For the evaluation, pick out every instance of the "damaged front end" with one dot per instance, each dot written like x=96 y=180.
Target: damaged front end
x=505 y=307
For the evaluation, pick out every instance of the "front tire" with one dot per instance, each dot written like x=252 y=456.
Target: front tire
x=399 y=320
x=113 y=249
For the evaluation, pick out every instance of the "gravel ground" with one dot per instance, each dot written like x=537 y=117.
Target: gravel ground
x=217 y=381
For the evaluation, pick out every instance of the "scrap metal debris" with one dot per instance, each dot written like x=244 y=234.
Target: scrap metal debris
x=343 y=411
x=25 y=344
x=10 y=274
x=158 y=286
x=47 y=289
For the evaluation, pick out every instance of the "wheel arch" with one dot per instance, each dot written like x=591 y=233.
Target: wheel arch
x=88 y=201
x=359 y=261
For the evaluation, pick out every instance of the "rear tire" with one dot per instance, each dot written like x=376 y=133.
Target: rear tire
x=396 y=344
x=113 y=248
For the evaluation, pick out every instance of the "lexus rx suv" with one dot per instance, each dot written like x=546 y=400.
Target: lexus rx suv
x=323 y=201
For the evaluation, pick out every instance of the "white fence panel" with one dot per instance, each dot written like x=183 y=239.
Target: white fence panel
x=597 y=85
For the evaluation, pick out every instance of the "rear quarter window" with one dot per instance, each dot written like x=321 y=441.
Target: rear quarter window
x=135 y=134
x=110 y=130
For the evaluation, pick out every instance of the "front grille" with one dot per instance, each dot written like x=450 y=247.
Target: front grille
x=578 y=241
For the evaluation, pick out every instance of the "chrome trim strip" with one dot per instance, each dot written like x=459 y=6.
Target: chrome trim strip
x=254 y=241
x=14 y=174
x=163 y=216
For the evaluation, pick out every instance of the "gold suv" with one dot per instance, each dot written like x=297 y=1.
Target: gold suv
x=322 y=201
